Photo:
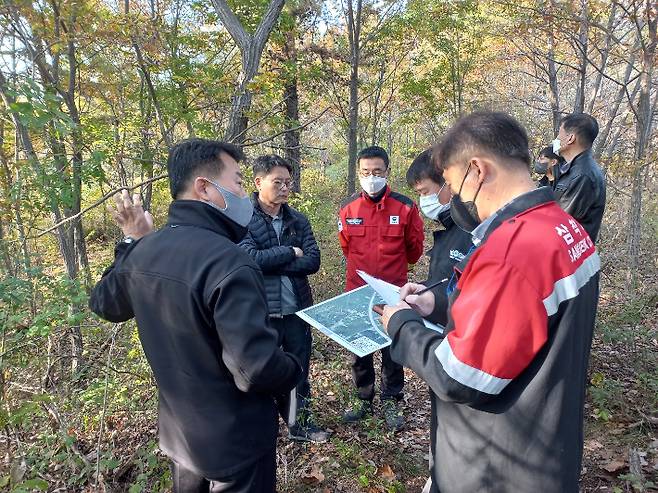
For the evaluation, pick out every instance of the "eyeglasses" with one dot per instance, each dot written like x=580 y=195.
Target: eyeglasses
x=281 y=184
x=378 y=173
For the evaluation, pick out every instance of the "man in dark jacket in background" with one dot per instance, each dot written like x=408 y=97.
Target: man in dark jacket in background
x=579 y=183
x=451 y=243
x=508 y=376
x=545 y=164
x=201 y=311
x=281 y=242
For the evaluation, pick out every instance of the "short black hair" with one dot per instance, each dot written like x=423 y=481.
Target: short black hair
x=373 y=151
x=583 y=125
x=192 y=156
x=422 y=167
x=263 y=165
x=548 y=152
x=495 y=133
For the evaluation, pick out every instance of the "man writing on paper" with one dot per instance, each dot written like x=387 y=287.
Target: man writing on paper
x=380 y=232
x=508 y=379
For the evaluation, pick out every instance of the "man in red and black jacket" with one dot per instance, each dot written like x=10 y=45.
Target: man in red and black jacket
x=508 y=377
x=381 y=233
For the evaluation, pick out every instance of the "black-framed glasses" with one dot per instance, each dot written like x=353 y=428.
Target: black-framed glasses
x=378 y=173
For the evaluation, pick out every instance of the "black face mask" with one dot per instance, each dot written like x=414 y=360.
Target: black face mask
x=541 y=168
x=465 y=214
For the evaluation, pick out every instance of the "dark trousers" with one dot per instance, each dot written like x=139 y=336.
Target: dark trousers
x=363 y=373
x=295 y=338
x=259 y=477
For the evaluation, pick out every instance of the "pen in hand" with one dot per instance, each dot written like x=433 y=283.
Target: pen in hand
x=431 y=286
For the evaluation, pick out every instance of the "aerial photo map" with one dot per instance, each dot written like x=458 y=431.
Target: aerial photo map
x=349 y=320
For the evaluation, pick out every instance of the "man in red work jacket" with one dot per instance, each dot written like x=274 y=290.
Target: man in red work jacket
x=381 y=232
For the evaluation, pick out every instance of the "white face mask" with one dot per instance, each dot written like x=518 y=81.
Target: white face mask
x=372 y=184
x=556 y=146
x=431 y=207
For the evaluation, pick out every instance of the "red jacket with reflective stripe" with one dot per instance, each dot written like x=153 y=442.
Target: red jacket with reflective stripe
x=380 y=238
x=509 y=378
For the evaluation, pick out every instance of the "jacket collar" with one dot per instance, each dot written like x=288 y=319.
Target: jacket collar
x=368 y=200
x=201 y=215
x=587 y=153
x=445 y=219
x=514 y=207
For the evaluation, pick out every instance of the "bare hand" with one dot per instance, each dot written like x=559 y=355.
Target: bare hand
x=130 y=215
x=298 y=252
x=389 y=311
x=423 y=304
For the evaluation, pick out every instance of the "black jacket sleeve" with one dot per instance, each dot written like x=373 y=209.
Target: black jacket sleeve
x=440 y=313
x=414 y=346
x=270 y=260
x=108 y=299
x=249 y=345
x=310 y=262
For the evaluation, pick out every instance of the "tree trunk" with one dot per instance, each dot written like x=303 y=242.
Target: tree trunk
x=251 y=49
x=354 y=35
x=643 y=125
x=613 y=111
x=579 y=102
x=553 y=81
x=292 y=137
x=604 y=58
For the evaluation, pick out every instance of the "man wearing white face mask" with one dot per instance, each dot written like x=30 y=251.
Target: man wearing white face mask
x=451 y=243
x=579 y=183
x=380 y=232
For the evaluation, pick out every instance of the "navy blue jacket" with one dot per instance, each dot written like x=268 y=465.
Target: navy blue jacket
x=451 y=245
x=277 y=258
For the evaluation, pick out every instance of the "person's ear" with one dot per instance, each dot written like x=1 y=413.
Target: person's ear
x=258 y=181
x=484 y=169
x=387 y=172
x=200 y=188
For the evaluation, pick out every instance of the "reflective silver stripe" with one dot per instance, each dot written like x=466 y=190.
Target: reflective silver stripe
x=292 y=408
x=467 y=375
x=568 y=287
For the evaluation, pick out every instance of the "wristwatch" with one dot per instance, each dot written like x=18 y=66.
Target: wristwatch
x=127 y=240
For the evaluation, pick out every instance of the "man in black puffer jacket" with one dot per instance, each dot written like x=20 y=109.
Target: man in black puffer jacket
x=281 y=242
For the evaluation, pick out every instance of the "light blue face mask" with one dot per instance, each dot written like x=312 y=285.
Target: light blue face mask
x=237 y=209
x=431 y=206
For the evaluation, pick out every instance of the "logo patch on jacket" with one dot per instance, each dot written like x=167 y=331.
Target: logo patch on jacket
x=457 y=255
x=394 y=219
x=354 y=221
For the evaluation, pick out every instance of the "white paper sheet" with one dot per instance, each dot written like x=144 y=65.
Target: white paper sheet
x=390 y=293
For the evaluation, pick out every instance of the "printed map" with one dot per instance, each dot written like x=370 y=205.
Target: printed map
x=349 y=320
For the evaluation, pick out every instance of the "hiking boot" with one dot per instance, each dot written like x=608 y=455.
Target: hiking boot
x=361 y=410
x=308 y=433
x=392 y=415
